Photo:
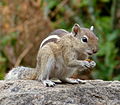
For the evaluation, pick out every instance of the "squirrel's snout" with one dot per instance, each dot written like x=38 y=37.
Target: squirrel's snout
x=95 y=51
x=92 y=51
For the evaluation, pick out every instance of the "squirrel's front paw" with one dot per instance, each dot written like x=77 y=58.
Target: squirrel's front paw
x=86 y=64
x=89 y=64
x=92 y=64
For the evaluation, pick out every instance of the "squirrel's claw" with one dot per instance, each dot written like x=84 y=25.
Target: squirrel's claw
x=92 y=64
x=81 y=81
x=48 y=83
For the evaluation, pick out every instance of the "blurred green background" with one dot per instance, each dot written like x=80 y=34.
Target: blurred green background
x=25 y=23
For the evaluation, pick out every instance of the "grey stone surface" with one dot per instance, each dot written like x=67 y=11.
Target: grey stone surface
x=30 y=92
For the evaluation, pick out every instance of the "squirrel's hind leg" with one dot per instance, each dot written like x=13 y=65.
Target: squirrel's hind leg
x=46 y=66
x=46 y=72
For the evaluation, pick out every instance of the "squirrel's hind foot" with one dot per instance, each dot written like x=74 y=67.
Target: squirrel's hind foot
x=73 y=81
x=81 y=81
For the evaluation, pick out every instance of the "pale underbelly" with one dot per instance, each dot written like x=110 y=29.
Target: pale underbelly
x=62 y=71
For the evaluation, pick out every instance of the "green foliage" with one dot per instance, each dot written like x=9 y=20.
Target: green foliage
x=2 y=3
x=63 y=14
x=107 y=54
x=8 y=39
x=2 y=66
x=4 y=41
x=107 y=60
x=96 y=13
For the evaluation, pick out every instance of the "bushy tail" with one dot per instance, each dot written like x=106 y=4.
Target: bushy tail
x=21 y=73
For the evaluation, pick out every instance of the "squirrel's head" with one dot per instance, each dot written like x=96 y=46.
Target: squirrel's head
x=87 y=38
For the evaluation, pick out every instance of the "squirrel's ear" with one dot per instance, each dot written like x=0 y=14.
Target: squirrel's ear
x=75 y=29
x=91 y=28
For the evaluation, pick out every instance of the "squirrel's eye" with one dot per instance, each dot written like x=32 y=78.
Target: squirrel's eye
x=84 y=39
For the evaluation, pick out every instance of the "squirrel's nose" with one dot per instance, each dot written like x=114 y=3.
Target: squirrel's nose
x=95 y=50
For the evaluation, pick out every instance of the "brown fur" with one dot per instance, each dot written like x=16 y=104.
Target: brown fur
x=59 y=32
x=61 y=58
x=65 y=55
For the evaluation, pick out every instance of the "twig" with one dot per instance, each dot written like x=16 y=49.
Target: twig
x=23 y=54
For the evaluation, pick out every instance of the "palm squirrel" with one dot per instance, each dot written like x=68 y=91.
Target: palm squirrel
x=59 y=56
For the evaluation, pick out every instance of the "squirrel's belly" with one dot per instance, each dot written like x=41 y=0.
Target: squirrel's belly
x=69 y=71
x=61 y=71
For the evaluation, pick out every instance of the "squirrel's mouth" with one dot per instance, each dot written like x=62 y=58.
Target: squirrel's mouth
x=89 y=53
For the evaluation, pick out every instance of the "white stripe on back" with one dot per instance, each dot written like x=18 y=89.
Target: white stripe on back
x=48 y=38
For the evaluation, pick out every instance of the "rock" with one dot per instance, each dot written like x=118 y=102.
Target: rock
x=31 y=92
